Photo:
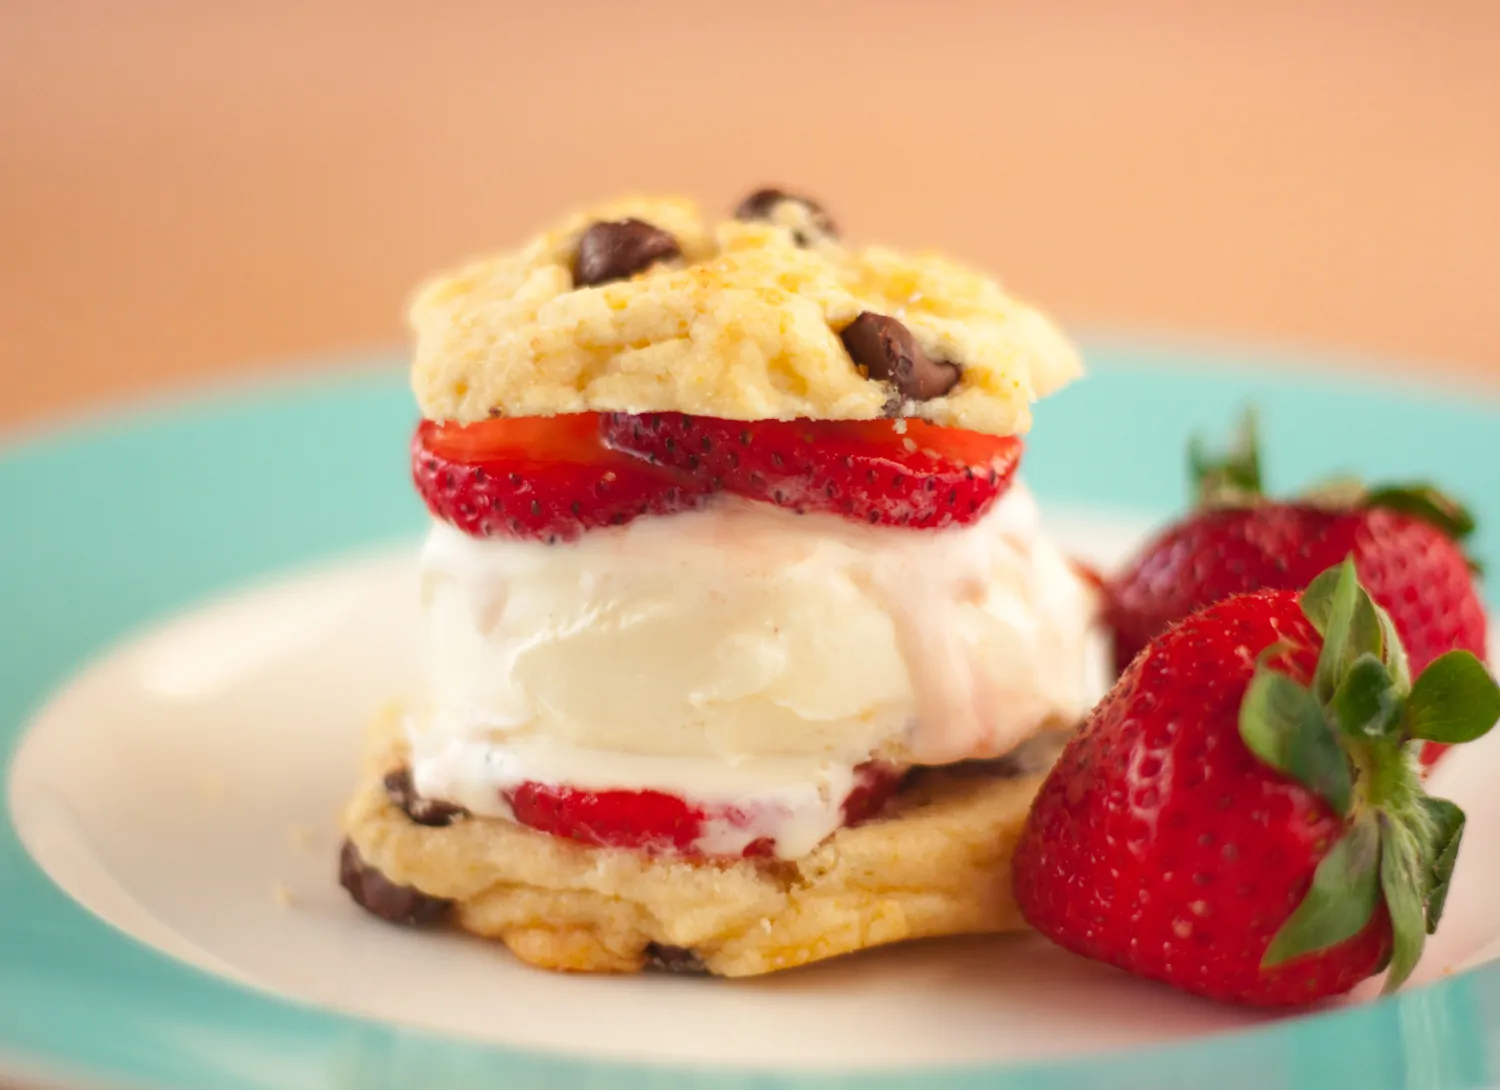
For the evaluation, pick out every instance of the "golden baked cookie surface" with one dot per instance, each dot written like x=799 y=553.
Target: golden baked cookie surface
x=738 y=319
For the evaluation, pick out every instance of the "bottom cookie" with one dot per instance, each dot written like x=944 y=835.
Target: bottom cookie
x=935 y=862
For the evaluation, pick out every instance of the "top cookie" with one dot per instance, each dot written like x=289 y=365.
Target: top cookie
x=642 y=305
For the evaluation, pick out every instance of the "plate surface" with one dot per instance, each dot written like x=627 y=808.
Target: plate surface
x=183 y=786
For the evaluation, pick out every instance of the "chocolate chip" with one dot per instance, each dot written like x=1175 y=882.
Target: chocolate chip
x=613 y=251
x=673 y=959
x=991 y=768
x=763 y=203
x=886 y=351
x=379 y=896
x=424 y=811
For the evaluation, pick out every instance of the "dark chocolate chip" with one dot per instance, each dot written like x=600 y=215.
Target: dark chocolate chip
x=673 y=959
x=886 y=351
x=424 y=811
x=379 y=896
x=997 y=768
x=762 y=204
x=615 y=250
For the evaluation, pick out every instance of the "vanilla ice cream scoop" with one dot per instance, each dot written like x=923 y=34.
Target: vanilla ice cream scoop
x=742 y=645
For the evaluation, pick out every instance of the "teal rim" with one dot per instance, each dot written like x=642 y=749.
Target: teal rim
x=277 y=476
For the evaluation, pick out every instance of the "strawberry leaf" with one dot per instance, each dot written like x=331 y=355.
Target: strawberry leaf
x=1405 y=886
x=1283 y=724
x=1317 y=599
x=1234 y=478
x=1342 y=493
x=1427 y=503
x=1395 y=652
x=1350 y=625
x=1367 y=702
x=1345 y=890
x=1447 y=830
x=1454 y=700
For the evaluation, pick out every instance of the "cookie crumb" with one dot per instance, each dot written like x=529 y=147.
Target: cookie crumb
x=303 y=838
x=282 y=894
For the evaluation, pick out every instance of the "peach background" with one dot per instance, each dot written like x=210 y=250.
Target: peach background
x=195 y=188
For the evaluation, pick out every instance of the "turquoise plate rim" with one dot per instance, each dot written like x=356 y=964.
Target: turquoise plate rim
x=261 y=476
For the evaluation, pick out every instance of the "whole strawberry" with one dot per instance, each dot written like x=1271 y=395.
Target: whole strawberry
x=1405 y=541
x=1242 y=816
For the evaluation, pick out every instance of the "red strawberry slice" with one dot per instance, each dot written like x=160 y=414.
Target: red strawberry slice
x=893 y=473
x=661 y=824
x=542 y=478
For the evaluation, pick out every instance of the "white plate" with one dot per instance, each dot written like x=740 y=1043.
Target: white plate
x=186 y=789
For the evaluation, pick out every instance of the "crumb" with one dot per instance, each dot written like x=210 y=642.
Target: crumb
x=281 y=893
x=303 y=838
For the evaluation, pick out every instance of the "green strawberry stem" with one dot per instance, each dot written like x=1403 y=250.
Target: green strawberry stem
x=1348 y=738
x=1426 y=502
x=1234 y=479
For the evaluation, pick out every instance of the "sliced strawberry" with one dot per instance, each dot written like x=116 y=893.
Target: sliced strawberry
x=546 y=478
x=894 y=473
x=661 y=824
x=648 y=821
